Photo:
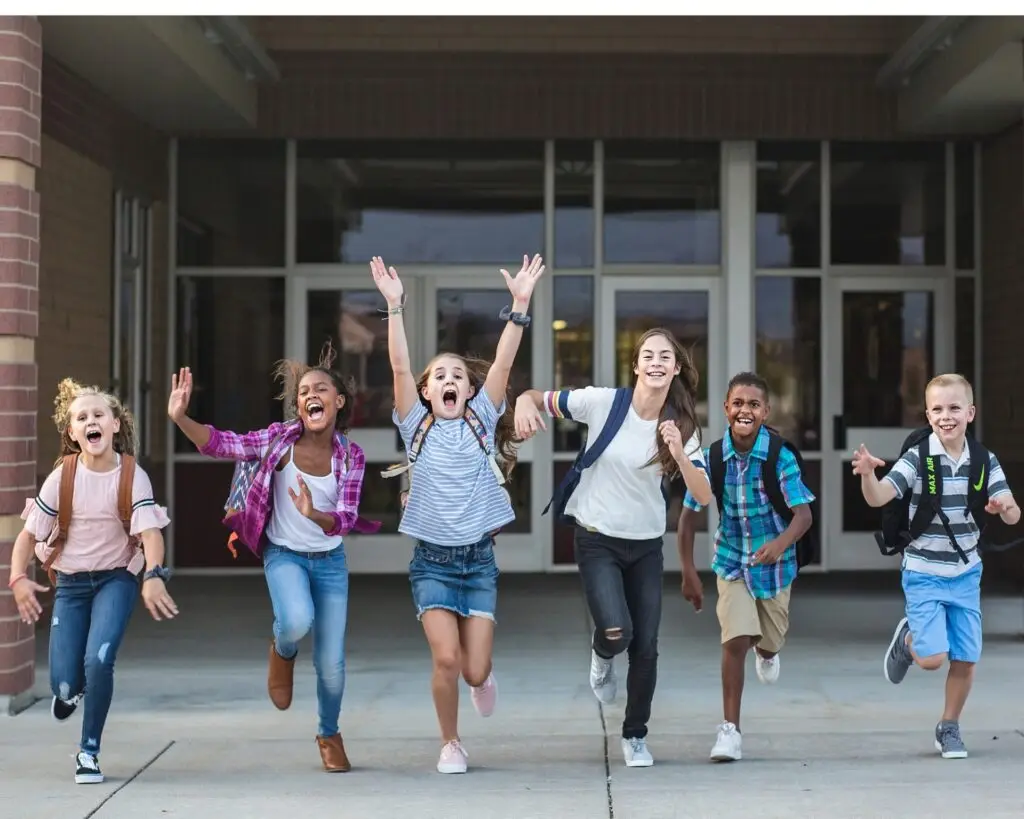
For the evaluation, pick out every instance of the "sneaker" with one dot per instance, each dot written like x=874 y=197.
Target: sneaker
x=729 y=744
x=454 y=759
x=634 y=751
x=767 y=668
x=602 y=678
x=485 y=696
x=897 y=657
x=88 y=770
x=62 y=709
x=948 y=740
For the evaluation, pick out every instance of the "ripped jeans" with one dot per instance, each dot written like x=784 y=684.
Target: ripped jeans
x=90 y=615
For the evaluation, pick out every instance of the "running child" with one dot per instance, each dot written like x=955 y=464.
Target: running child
x=95 y=528
x=303 y=500
x=941 y=568
x=755 y=557
x=460 y=441
x=619 y=509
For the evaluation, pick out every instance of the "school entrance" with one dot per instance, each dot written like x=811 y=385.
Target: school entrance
x=845 y=273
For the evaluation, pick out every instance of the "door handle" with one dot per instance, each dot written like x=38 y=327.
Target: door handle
x=839 y=432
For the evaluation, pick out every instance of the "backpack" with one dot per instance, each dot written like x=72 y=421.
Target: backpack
x=808 y=547
x=898 y=530
x=66 y=498
x=586 y=458
x=241 y=483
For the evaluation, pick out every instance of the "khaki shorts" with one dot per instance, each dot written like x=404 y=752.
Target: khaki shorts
x=742 y=615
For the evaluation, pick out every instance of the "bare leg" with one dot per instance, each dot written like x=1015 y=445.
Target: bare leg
x=958 y=686
x=476 y=636
x=734 y=655
x=442 y=630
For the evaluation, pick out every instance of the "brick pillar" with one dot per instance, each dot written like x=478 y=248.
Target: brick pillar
x=20 y=105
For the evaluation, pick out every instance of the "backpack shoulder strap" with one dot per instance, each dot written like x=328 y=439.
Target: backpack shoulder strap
x=770 y=476
x=415 y=447
x=617 y=415
x=66 y=498
x=716 y=465
x=977 y=487
x=124 y=492
x=480 y=433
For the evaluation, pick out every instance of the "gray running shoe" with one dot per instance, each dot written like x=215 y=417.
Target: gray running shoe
x=897 y=657
x=949 y=741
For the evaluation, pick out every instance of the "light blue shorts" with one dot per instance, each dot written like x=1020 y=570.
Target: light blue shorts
x=944 y=614
x=460 y=579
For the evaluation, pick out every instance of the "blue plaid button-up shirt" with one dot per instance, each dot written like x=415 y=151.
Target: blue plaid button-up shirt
x=748 y=519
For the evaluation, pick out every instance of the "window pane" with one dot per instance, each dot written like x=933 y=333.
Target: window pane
x=231 y=200
x=379 y=499
x=573 y=330
x=888 y=203
x=419 y=202
x=230 y=332
x=574 y=204
x=887 y=357
x=661 y=202
x=788 y=331
x=788 y=204
x=351 y=321
x=964 y=159
x=966 y=332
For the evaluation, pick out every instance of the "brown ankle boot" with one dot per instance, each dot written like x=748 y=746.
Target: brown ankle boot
x=280 y=679
x=332 y=752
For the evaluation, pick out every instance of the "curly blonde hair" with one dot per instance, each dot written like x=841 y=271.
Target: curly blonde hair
x=290 y=372
x=126 y=439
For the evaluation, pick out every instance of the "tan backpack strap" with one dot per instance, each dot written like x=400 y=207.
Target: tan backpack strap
x=124 y=492
x=65 y=500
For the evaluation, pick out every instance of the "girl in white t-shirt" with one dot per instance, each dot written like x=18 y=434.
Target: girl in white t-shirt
x=97 y=563
x=619 y=508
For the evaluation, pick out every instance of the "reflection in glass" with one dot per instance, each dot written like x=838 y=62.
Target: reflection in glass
x=231 y=202
x=231 y=351
x=964 y=197
x=857 y=515
x=573 y=329
x=574 y=204
x=468 y=324
x=379 y=499
x=520 y=488
x=351 y=321
x=788 y=330
x=887 y=357
x=966 y=331
x=661 y=202
x=888 y=203
x=434 y=202
x=684 y=313
x=788 y=204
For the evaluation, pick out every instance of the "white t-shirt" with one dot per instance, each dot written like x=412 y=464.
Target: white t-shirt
x=618 y=496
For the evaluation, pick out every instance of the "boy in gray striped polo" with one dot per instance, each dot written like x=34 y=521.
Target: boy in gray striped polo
x=941 y=583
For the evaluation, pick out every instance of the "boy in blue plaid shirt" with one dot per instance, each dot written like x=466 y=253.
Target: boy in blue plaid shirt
x=755 y=557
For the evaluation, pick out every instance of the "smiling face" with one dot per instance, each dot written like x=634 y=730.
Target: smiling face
x=447 y=387
x=318 y=401
x=746 y=408
x=949 y=409
x=92 y=425
x=656 y=363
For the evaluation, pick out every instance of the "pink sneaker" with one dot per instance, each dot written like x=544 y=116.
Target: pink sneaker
x=453 y=758
x=485 y=696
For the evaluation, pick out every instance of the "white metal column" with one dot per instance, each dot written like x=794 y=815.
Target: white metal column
x=739 y=170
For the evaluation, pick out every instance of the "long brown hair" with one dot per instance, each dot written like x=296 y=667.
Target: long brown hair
x=680 y=405
x=290 y=372
x=126 y=439
x=505 y=440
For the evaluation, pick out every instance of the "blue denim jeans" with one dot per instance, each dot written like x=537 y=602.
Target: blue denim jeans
x=310 y=591
x=90 y=616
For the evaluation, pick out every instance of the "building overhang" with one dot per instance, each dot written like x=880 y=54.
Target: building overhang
x=179 y=74
x=959 y=75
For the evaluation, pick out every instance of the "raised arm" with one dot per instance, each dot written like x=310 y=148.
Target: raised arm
x=390 y=287
x=521 y=288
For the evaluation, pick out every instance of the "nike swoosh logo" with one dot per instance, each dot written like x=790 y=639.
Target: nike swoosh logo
x=981 y=481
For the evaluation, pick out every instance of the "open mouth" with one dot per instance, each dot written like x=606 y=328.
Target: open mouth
x=449 y=398
x=744 y=423
x=947 y=427
x=656 y=373
x=314 y=410
x=93 y=436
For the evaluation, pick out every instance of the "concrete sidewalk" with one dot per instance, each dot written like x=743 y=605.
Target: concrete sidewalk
x=192 y=733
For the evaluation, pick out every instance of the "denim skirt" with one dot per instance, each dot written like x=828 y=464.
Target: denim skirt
x=459 y=579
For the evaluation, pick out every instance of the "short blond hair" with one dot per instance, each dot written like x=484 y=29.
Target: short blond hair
x=951 y=380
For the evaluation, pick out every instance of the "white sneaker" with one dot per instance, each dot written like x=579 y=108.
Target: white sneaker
x=635 y=752
x=602 y=678
x=453 y=759
x=729 y=745
x=767 y=669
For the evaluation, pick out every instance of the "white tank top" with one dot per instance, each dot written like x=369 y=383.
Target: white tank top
x=288 y=526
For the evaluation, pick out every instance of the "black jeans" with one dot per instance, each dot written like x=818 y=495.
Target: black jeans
x=622 y=581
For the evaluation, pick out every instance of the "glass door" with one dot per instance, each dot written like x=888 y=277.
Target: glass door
x=886 y=339
x=347 y=311
x=689 y=308
x=461 y=316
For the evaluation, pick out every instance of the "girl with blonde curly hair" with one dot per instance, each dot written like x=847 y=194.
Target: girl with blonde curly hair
x=302 y=501
x=94 y=552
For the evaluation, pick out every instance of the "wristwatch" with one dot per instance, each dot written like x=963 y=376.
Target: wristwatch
x=519 y=319
x=157 y=571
